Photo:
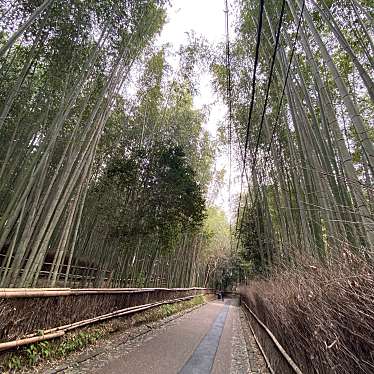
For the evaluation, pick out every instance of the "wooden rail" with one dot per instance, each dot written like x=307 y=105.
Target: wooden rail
x=278 y=346
x=50 y=292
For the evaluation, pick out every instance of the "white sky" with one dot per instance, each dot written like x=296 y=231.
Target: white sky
x=206 y=18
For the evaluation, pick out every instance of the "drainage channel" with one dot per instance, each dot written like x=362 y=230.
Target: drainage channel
x=201 y=361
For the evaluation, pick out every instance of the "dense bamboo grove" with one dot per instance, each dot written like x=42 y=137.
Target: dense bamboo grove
x=104 y=166
x=305 y=148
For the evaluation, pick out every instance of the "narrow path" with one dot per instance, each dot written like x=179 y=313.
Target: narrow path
x=207 y=340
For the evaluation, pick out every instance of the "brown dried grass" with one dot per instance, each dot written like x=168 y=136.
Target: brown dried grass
x=322 y=315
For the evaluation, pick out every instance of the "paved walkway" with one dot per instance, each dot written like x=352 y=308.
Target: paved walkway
x=208 y=340
x=198 y=343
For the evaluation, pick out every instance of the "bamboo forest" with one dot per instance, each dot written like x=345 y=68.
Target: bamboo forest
x=117 y=170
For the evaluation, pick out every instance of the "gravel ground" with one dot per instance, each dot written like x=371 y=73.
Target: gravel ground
x=256 y=360
x=240 y=359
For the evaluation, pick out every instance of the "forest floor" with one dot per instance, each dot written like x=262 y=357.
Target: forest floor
x=200 y=340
